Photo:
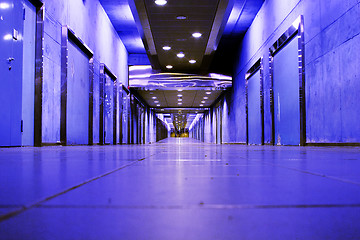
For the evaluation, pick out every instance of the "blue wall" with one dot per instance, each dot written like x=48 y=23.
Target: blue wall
x=332 y=72
x=90 y=23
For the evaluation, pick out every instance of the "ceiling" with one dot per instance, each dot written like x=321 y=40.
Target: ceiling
x=145 y=28
x=184 y=99
x=162 y=27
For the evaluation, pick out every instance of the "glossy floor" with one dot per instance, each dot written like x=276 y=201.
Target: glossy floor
x=180 y=189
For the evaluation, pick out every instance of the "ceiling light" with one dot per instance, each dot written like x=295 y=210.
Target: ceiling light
x=179 y=95
x=4 y=5
x=208 y=93
x=180 y=90
x=202 y=101
x=158 y=105
x=180 y=55
x=169 y=67
x=160 y=2
x=201 y=105
x=166 y=48
x=205 y=97
x=156 y=101
x=154 y=97
x=8 y=37
x=181 y=17
x=196 y=35
x=179 y=99
x=179 y=103
x=192 y=61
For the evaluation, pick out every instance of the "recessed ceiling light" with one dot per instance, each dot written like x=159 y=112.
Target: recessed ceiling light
x=179 y=99
x=154 y=97
x=169 y=67
x=205 y=97
x=156 y=101
x=180 y=90
x=179 y=103
x=202 y=101
x=181 y=17
x=4 y=5
x=179 y=95
x=208 y=93
x=201 y=105
x=158 y=105
x=180 y=55
x=160 y=2
x=192 y=61
x=196 y=35
x=166 y=48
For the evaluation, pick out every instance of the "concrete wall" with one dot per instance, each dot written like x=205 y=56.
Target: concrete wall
x=332 y=72
x=90 y=23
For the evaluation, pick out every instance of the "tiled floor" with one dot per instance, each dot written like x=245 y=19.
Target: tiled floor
x=180 y=189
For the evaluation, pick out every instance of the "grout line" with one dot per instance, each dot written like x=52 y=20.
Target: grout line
x=201 y=205
x=316 y=174
x=23 y=208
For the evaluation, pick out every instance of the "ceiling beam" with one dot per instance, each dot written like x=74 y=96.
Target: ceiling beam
x=138 y=10
x=220 y=20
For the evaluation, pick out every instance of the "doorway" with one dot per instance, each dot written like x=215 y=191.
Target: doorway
x=17 y=73
x=76 y=90
x=288 y=87
x=255 y=104
x=108 y=106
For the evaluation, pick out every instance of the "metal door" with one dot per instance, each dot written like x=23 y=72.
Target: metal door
x=254 y=109
x=11 y=24
x=78 y=87
x=125 y=116
x=109 y=110
x=286 y=95
x=219 y=127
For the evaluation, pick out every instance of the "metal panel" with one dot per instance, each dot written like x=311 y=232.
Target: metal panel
x=286 y=96
x=64 y=67
x=108 y=106
x=28 y=77
x=297 y=29
x=128 y=118
x=11 y=73
x=76 y=89
x=124 y=116
x=39 y=66
x=219 y=124
x=254 y=109
x=255 y=104
x=91 y=102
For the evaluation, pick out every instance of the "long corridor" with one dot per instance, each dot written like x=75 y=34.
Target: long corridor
x=180 y=188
